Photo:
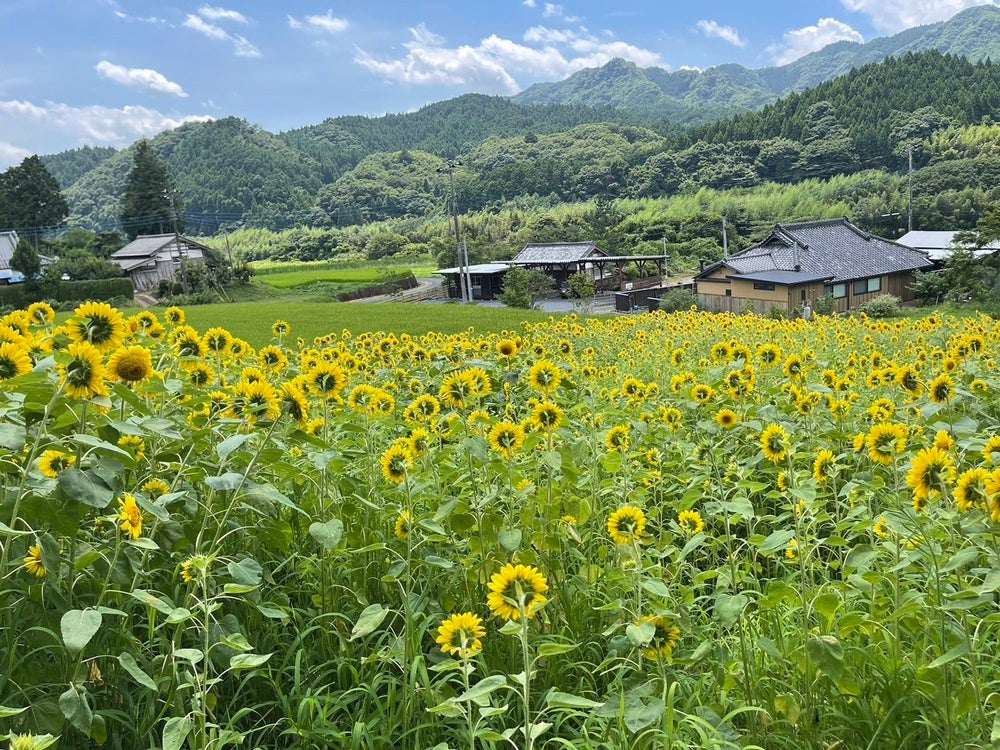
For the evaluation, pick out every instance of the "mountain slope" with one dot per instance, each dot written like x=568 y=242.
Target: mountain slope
x=698 y=97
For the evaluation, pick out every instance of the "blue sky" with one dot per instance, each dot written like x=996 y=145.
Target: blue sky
x=107 y=72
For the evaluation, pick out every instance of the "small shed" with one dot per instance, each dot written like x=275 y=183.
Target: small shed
x=152 y=258
x=560 y=260
x=938 y=245
x=486 y=280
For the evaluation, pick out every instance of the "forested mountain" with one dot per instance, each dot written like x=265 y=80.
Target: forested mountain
x=698 y=97
x=69 y=166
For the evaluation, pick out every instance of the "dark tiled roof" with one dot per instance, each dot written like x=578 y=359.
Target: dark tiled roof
x=557 y=252
x=783 y=277
x=832 y=249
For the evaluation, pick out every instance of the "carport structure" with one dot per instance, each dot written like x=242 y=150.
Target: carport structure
x=560 y=260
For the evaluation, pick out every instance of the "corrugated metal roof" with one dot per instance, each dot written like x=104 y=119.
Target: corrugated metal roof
x=557 y=252
x=833 y=249
x=145 y=245
x=938 y=245
x=482 y=268
x=8 y=241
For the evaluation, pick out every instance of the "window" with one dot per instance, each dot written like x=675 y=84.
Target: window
x=866 y=286
x=837 y=291
x=764 y=286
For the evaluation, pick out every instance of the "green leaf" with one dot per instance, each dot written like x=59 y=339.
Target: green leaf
x=640 y=634
x=75 y=707
x=161 y=605
x=640 y=715
x=175 y=731
x=12 y=436
x=729 y=607
x=954 y=653
x=247 y=661
x=85 y=487
x=482 y=689
x=78 y=626
x=554 y=649
x=193 y=655
x=788 y=707
x=656 y=587
x=510 y=540
x=7 y=711
x=6 y=530
x=93 y=442
x=227 y=446
x=961 y=559
x=827 y=654
x=439 y=562
x=556 y=699
x=739 y=506
x=777 y=540
x=269 y=494
x=247 y=571
x=371 y=617
x=329 y=534
x=224 y=482
x=129 y=664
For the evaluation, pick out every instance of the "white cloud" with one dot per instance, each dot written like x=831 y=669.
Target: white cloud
x=201 y=23
x=221 y=14
x=800 y=42
x=11 y=155
x=51 y=122
x=895 y=15
x=490 y=66
x=529 y=3
x=554 y=10
x=726 y=33
x=143 y=78
x=327 y=24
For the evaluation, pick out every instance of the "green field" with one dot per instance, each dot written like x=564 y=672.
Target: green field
x=252 y=320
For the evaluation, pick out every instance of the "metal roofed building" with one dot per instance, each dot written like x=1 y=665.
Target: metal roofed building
x=151 y=258
x=560 y=260
x=807 y=260
x=938 y=245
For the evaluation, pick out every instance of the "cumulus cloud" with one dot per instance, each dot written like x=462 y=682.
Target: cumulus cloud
x=529 y=3
x=892 y=16
x=491 y=65
x=143 y=78
x=554 y=10
x=800 y=42
x=204 y=23
x=327 y=24
x=726 y=33
x=95 y=125
x=11 y=155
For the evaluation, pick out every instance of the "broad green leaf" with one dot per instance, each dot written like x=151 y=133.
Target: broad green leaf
x=224 y=482
x=641 y=715
x=269 y=494
x=272 y=611
x=439 y=562
x=949 y=656
x=556 y=699
x=85 y=487
x=175 y=731
x=75 y=707
x=729 y=607
x=7 y=711
x=788 y=707
x=12 y=436
x=227 y=446
x=78 y=626
x=193 y=655
x=777 y=540
x=329 y=534
x=827 y=655
x=482 y=689
x=93 y=442
x=656 y=587
x=6 y=530
x=161 y=605
x=247 y=661
x=510 y=540
x=369 y=620
x=640 y=634
x=554 y=649
x=129 y=664
x=247 y=571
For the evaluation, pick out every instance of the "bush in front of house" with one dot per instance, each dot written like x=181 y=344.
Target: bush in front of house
x=883 y=306
x=678 y=300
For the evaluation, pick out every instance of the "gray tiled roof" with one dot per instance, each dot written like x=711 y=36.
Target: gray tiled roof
x=557 y=252
x=783 y=277
x=833 y=249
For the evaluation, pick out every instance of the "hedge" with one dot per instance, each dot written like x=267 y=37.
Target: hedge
x=19 y=295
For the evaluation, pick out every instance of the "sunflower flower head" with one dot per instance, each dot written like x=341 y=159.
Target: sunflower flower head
x=665 y=637
x=53 y=462
x=130 y=515
x=774 y=443
x=97 y=324
x=461 y=635
x=627 y=524
x=690 y=521
x=516 y=591
x=33 y=562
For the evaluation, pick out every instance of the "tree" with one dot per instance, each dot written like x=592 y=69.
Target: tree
x=146 y=207
x=25 y=260
x=30 y=199
x=79 y=265
x=522 y=287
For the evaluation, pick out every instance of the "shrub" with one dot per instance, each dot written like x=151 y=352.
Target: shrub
x=678 y=300
x=883 y=306
x=777 y=312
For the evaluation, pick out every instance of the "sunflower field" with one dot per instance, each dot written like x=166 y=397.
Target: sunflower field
x=642 y=531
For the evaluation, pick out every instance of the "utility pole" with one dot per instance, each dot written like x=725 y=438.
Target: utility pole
x=450 y=169
x=909 y=189
x=171 y=196
x=725 y=239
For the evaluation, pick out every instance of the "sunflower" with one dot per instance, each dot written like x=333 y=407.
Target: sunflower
x=199 y=373
x=782 y=481
x=272 y=358
x=544 y=377
x=942 y=388
x=461 y=635
x=690 y=522
x=665 y=636
x=174 y=316
x=507 y=348
x=327 y=379
x=546 y=416
x=944 y=440
x=53 y=462
x=256 y=400
x=14 y=360
x=506 y=438
x=456 y=390
x=41 y=313
x=479 y=381
x=774 y=443
x=98 y=324
x=131 y=364
x=881 y=527
x=134 y=444
x=823 y=466
x=280 y=329
x=396 y=462
x=156 y=488
x=419 y=442
x=931 y=470
x=792 y=550
x=970 y=490
x=403 y=526
x=130 y=515
x=383 y=404
x=515 y=591
x=627 y=524
x=908 y=378
x=33 y=561
x=992 y=447
x=702 y=393
x=726 y=418
x=217 y=340
x=617 y=438
x=885 y=441
x=793 y=366
x=83 y=376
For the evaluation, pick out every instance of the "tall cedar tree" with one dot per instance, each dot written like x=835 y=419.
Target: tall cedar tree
x=30 y=199
x=145 y=206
